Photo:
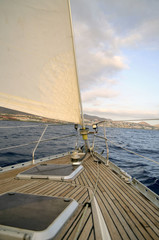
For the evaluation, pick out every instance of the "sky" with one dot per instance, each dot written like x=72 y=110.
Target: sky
x=117 y=50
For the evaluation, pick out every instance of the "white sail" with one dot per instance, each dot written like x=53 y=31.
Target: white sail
x=37 y=64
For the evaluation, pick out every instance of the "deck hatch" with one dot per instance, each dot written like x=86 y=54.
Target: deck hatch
x=34 y=213
x=51 y=171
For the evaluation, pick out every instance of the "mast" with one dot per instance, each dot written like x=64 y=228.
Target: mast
x=83 y=131
x=76 y=69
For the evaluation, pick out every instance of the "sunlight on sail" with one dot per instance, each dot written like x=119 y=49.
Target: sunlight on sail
x=38 y=70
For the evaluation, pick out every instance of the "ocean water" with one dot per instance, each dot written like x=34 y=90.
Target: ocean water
x=143 y=142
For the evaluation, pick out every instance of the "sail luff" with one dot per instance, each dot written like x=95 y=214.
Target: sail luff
x=37 y=62
x=77 y=75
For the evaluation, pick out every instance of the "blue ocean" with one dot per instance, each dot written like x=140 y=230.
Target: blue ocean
x=143 y=142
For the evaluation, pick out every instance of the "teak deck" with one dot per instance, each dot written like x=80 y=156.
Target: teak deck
x=127 y=213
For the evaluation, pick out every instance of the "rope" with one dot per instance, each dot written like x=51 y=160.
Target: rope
x=129 y=150
x=45 y=140
x=133 y=152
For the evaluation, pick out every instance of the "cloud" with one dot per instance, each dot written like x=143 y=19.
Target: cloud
x=105 y=32
x=105 y=60
x=97 y=52
x=145 y=35
x=94 y=94
x=96 y=59
x=119 y=24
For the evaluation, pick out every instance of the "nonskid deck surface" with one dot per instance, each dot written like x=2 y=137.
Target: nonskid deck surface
x=127 y=213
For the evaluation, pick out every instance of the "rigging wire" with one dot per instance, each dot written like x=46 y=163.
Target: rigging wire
x=39 y=125
x=45 y=140
x=117 y=145
x=133 y=152
x=40 y=139
x=25 y=126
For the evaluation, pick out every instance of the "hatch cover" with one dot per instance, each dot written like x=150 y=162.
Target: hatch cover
x=52 y=171
x=40 y=217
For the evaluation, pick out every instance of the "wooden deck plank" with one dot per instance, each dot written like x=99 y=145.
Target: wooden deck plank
x=120 y=217
x=43 y=190
x=76 y=192
x=128 y=191
x=110 y=222
x=71 y=226
x=68 y=189
x=93 y=175
x=83 y=178
x=129 y=218
x=134 y=192
x=128 y=215
x=128 y=209
x=49 y=188
x=87 y=227
x=91 y=179
x=83 y=198
x=34 y=188
x=11 y=185
x=92 y=236
x=124 y=183
x=89 y=183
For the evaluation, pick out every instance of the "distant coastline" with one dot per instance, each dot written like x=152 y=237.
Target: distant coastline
x=11 y=115
x=120 y=124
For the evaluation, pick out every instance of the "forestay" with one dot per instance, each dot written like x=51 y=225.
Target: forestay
x=37 y=63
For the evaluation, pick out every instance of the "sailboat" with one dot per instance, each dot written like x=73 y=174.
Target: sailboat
x=78 y=195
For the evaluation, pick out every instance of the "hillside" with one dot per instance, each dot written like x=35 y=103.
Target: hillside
x=10 y=111
x=119 y=124
x=8 y=114
x=144 y=124
x=93 y=118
